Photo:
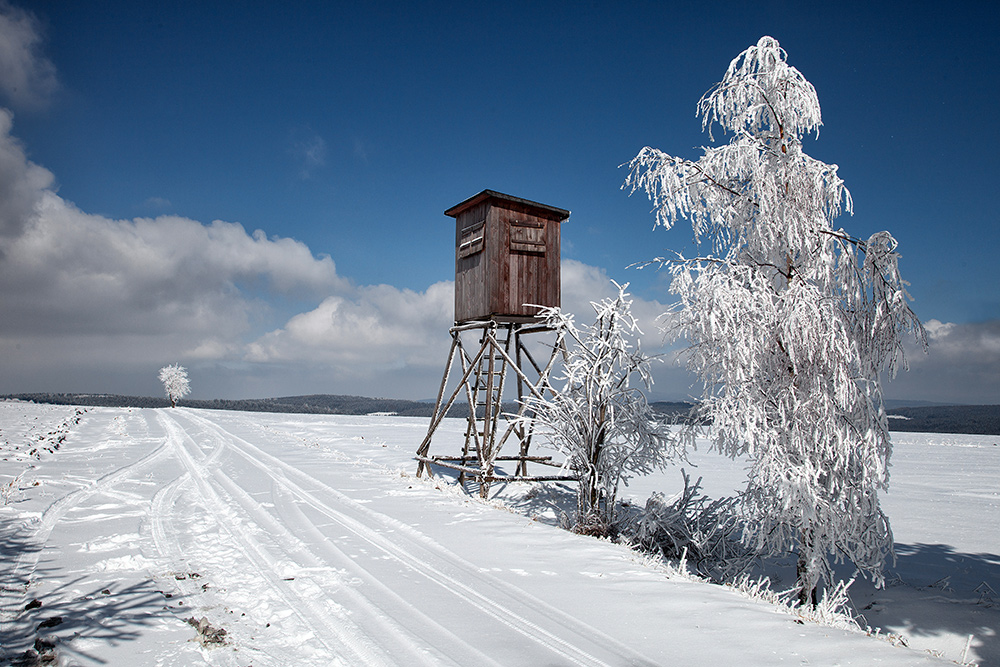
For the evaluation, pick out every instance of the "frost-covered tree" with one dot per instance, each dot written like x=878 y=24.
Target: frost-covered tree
x=790 y=322
x=175 y=383
x=600 y=419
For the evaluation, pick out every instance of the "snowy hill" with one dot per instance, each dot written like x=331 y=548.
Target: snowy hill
x=180 y=537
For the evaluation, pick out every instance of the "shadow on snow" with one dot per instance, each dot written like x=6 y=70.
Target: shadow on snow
x=107 y=612
x=934 y=589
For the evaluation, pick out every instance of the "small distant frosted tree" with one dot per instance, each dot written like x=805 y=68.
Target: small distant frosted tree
x=600 y=420
x=790 y=321
x=175 y=383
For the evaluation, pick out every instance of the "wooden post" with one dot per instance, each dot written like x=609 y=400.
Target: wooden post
x=483 y=380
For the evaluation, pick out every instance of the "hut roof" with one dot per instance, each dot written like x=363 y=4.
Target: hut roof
x=542 y=210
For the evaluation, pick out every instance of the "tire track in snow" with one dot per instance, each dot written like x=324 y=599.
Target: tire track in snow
x=512 y=607
x=391 y=637
x=373 y=622
x=165 y=529
x=159 y=515
x=382 y=605
x=338 y=636
x=161 y=510
x=40 y=530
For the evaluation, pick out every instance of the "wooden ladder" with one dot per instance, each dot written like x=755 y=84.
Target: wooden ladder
x=487 y=403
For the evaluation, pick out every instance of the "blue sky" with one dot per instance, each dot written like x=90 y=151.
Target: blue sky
x=342 y=131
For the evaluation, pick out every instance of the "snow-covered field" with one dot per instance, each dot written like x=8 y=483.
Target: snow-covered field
x=306 y=540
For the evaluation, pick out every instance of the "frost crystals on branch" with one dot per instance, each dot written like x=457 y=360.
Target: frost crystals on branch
x=599 y=421
x=790 y=322
x=175 y=383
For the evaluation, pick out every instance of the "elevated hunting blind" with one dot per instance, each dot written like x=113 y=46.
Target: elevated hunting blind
x=506 y=257
x=506 y=266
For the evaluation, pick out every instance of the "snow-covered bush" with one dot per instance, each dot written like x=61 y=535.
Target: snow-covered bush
x=790 y=321
x=834 y=608
x=599 y=420
x=706 y=533
x=11 y=490
x=175 y=383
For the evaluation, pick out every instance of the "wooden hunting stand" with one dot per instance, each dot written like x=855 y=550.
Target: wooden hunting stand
x=506 y=266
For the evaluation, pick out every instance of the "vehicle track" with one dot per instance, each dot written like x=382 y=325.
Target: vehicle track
x=466 y=587
x=369 y=622
x=34 y=534
x=37 y=531
x=336 y=635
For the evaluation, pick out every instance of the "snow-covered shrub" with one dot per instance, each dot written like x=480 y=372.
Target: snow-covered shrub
x=11 y=490
x=692 y=526
x=790 y=322
x=834 y=608
x=599 y=419
x=175 y=383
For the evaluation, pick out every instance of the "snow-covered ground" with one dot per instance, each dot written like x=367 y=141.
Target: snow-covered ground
x=308 y=541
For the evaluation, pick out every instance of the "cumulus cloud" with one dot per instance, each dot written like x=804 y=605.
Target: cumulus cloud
x=145 y=275
x=22 y=183
x=962 y=365
x=377 y=328
x=395 y=341
x=86 y=289
x=27 y=78
x=583 y=284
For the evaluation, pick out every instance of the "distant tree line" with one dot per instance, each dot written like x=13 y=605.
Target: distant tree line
x=312 y=404
x=316 y=404
x=972 y=419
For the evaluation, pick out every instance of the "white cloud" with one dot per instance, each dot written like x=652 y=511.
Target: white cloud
x=395 y=342
x=309 y=150
x=146 y=275
x=22 y=183
x=156 y=203
x=376 y=328
x=937 y=330
x=27 y=79
x=962 y=365
x=85 y=290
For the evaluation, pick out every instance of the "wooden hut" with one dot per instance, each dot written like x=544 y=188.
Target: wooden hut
x=506 y=265
x=506 y=257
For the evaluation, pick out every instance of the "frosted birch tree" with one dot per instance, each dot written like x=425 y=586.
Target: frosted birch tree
x=790 y=322
x=600 y=419
x=175 y=383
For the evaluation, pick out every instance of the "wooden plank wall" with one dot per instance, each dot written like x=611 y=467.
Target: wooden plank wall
x=531 y=275
x=518 y=262
x=471 y=270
